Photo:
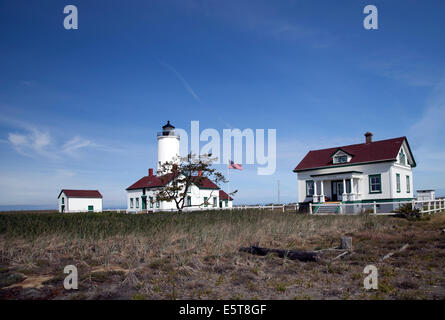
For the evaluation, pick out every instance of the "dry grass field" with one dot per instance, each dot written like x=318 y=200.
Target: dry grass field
x=196 y=256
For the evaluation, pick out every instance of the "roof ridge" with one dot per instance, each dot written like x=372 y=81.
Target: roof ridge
x=358 y=144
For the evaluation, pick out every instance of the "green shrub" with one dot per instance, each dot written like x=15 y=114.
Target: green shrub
x=407 y=211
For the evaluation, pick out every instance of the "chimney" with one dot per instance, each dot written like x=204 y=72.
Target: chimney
x=368 y=136
x=199 y=173
x=150 y=172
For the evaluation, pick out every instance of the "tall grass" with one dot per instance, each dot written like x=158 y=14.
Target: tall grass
x=187 y=238
x=223 y=224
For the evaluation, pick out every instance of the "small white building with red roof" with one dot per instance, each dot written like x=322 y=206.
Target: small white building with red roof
x=80 y=201
x=204 y=194
x=370 y=172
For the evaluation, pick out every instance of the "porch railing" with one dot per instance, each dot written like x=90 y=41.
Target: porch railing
x=425 y=206
x=345 y=197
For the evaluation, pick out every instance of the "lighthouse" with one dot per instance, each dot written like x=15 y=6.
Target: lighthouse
x=168 y=145
x=143 y=195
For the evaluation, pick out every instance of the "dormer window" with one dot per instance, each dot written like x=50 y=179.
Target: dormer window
x=341 y=159
x=341 y=156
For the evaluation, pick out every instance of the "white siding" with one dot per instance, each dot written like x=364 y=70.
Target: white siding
x=387 y=170
x=79 y=204
x=197 y=198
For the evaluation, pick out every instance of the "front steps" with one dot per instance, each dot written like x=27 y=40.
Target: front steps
x=327 y=208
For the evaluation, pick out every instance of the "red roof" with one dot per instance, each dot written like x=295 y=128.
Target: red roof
x=224 y=196
x=383 y=150
x=159 y=181
x=205 y=183
x=151 y=181
x=81 y=193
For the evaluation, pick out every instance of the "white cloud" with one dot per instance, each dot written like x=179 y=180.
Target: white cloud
x=183 y=81
x=407 y=69
x=40 y=140
x=77 y=143
x=34 y=142
x=17 y=139
x=430 y=126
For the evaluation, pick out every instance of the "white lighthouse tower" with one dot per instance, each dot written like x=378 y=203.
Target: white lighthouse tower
x=168 y=145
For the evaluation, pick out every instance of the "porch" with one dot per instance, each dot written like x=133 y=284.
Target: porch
x=337 y=187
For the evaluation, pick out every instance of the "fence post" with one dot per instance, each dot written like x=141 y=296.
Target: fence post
x=283 y=207
x=375 y=207
x=310 y=208
x=429 y=207
x=413 y=204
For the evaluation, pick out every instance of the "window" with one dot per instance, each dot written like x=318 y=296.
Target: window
x=151 y=202
x=157 y=204
x=189 y=201
x=375 y=183
x=131 y=202
x=402 y=157
x=408 y=185
x=341 y=159
x=137 y=202
x=205 y=201
x=63 y=200
x=215 y=202
x=309 y=188
x=90 y=208
x=226 y=203
x=398 y=182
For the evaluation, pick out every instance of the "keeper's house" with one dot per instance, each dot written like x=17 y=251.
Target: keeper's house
x=379 y=171
x=80 y=201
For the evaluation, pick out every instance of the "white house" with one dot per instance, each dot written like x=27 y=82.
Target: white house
x=225 y=201
x=80 y=201
x=379 y=171
x=141 y=195
x=426 y=195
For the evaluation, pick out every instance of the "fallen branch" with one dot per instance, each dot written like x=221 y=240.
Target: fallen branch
x=340 y=255
x=329 y=249
x=290 y=254
x=392 y=253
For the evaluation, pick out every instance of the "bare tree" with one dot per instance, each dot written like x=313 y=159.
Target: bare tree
x=179 y=175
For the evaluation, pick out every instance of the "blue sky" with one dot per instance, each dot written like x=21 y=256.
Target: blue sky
x=80 y=108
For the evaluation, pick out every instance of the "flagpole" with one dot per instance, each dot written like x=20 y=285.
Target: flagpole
x=228 y=179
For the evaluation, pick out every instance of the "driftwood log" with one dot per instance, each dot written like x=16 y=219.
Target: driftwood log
x=290 y=254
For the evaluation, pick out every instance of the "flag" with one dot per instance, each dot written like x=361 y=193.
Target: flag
x=233 y=165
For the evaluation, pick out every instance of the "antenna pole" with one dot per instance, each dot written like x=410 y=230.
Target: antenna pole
x=278 y=191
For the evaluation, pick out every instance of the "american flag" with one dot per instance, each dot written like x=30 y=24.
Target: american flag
x=233 y=165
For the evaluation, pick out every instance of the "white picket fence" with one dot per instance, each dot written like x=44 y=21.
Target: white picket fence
x=282 y=208
x=425 y=206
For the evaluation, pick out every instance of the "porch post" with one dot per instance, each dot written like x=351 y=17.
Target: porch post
x=344 y=188
x=352 y=189
x=315 y=190
x=322 y=191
